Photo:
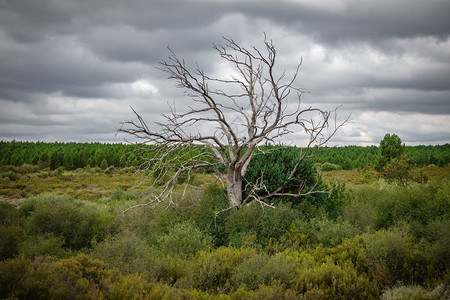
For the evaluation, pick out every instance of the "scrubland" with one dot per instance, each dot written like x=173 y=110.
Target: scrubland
x=63 y=234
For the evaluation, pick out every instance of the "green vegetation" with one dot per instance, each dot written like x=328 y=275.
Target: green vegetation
x=63 y=234
x=71 y=156
x=274 y=165
x=390 y=148
x=355 y=157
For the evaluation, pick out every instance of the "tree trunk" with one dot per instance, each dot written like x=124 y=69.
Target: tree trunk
x=234 y=188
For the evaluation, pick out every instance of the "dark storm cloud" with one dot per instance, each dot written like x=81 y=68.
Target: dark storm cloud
x=355 y=20
x=31 y=21
x=70 y=69
x=57 y=64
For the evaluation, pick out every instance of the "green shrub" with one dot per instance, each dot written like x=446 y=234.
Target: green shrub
x=415 y=292
x=248 y=273
x=417 y=205
x=77 y=222
x=10 y=238
x=214 y=199
x=330 y=281
x=184 y=239
x=420 y=176
x=291 y=240
x=74 y=278
x=170 y=269
x=352 y=252
x=152 y=223
x=439 y=250
x=120 y=195
x=265 y=223
x=369 y=174
x=43 y=245
x=275 y=167
x=213 y=270
x=360 y=214
x=9 y=215
x=326 y=232
x=398 y=169
x=27 y=169
x=272 y=291
x=338 y=197
x=81 y=277
x=392 y=256
x=126 y=252
x=262 y=269
x=275 y=222
x=12 y=274
x=330 y=167
x=242 y=223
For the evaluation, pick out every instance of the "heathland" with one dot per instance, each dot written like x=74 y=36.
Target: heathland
x=381 y=230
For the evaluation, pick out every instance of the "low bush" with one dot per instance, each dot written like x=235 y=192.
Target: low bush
x=326 y=232
x=331 y=281
x=81 y=277
x=126 y=252
x=360 y=214
x=438 y=252
x=291 y=240
x=212 y=271
x=272 y=291
x=214 y=199
x=330 y=167
x=43 y=245
x=393 y=256
x=387 y=205
x=77 y=222
x=264 y=223
x=10 y=238
x=262 y=269
x=420 y=176
x=339 y=196
x=151 y=224
x=398 y=169
x=403 y=292
x=9 y=215
x=172 y=269
x=73 y=278
x=27 y=169
x=184 y=239
x=121 y=195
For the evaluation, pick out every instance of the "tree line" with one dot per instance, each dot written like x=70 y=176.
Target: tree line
x=358 y=157
x=68 y=155
x=72 y=156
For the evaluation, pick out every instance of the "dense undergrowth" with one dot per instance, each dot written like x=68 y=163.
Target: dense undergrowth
x=63 y=235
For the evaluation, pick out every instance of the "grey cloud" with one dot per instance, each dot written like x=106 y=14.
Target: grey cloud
x=59 y=65
x=29 y=22
x=67 y=68
x=360 y=20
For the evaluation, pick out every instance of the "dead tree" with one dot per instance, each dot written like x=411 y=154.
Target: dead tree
x=227 y=120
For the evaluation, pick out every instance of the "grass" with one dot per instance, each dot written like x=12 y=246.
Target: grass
x=92 y=184
x=18 y=183
x=356 y=177
x=81 y=184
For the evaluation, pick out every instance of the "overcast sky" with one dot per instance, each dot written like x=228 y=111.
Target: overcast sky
x=70 y=70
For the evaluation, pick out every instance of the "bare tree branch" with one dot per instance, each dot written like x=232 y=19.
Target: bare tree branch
x=228 y=119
